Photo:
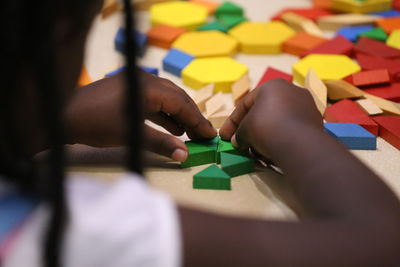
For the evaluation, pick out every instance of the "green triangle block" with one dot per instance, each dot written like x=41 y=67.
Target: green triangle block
x=201 y=152
x=225 y=146
x=229 y=8
x=236 y=165
x=376 y=33
x=213 y=26
x=212 y=178
x=230 y=21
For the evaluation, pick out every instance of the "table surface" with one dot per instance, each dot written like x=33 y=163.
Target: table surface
x=262 y=194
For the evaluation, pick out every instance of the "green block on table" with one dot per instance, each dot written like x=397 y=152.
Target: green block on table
x=229 y=8
x=236 y=165
x=230 y=21
x=225 y=146
x=213 y=26
x=376 y=33
x=201 y=152
x=212 y=178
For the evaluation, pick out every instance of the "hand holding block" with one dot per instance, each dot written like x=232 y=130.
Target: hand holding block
x=202 y=96
x=339 y=89
x=318 y=90
x=370 y=107
x=215 y=104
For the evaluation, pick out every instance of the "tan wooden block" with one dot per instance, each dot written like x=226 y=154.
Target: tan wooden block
x=339 y=89
x=300 y=23
x=318 y=90
x=215 y=104
x=219 y=118
x=240 y=88
x=203 y=95
x=387 y=106
x=370 y=107
x=335 y=22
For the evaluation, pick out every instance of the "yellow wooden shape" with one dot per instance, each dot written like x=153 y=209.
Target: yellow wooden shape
x=262 y=38
x=327 y=67
x=179 y=14
x=394 y=39
x=222 y=71
x=207 y=44
x=365 y=6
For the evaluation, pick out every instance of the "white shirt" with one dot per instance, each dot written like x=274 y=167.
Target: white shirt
x=121 y=224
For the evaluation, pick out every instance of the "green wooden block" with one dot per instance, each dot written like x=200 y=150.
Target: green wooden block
x=213 y=26
x=201 y=152
x=212 y=178
x=236 y=165
x=376 y=33
x=225 y=146
x=229 y=8
x=230 y=21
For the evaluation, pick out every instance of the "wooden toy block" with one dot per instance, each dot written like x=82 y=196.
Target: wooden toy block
x=215 y=104
x=337 y=46
x=206 y=44
x=222 y=71
x=255 y=38
x=394 y=39
x=84 y=78
x=373 y=63
x=140 y=38
x=230 y=21
x=389 y=24
x=390 y=92
x=376 y=33
x=236 y=165
x=387 y=14
x=339 y=89
x=300 y=23
x=335 y=22
x=212 y=178
x=218 y=119
x=353 y=33
x=163 y=35
x=201 y=152
x=387 y=106
x=323 y=4
x=210 y=5
x=175 y=61
x=176 y=14
x=301 y=43
x=389 y=129
x=145 y=5
x=375 y=48
x=353 y=136
x=369 y=78
x=367 y=6
x=213 y=26
x=202 y=96
x=240 y=88
x=347 y=111
x=327 y=67
x=272 y=74
x=227 y=147
x=313 y=13
x=150 y=70
x=110 y=7
x=318 y=90
x=369 y=107
x=229 y=8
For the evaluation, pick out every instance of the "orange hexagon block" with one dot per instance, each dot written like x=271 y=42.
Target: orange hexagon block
x=328 y=67
x=179 y=14
x=262 y=38
x=221 y=71
x=207 y=44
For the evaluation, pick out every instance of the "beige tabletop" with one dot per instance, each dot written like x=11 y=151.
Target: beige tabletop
x=262 y=194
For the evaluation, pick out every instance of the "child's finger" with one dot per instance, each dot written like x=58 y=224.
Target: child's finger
x=167 y=123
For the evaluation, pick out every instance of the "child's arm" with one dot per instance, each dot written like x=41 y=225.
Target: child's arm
x=353 y=218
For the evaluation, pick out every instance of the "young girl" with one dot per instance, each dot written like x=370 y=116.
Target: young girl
x=352 y=218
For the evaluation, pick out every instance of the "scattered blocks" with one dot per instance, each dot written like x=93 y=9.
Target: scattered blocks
x=236 y=165
x=394 y=39
x=389 y=129
x=141 y=41
x=390 y=92
x=215 y=104
x=163 y=35
x=300 y=23
x=206 y=44
x=369 y=107
x=335 y=22
x=212 y=178
x=369 y=78
x=318 y=90
x=255 y=38
x=201 y=152
x=272 y=74
x=337 y=46
x=356 y=6
x=301 y=43
x=229 y=8
x=202 y=96
x=222 y=71
x=353 y=33
x=389 y=24
x=353 y=136
x=240 y=88
x=339 y=89
x=179 y=14
x=375 y=33
x=327 y=67
x=175 y=61
x=84 y=78
x=375 y=48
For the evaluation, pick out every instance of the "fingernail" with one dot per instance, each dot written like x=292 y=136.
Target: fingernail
x=234 y=141
x=180 y=155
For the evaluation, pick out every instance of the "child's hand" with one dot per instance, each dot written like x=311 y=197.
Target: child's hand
x=273 y=111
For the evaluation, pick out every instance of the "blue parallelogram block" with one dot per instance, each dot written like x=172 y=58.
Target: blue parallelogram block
x=352 y=135
x=140 y=38
x=175 y=61
x=387 y=14
x=151 y=70
x=352 y=33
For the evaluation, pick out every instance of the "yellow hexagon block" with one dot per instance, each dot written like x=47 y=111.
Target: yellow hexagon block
x=222 y=71
x=328 y=67
x=207 y=44
x=179 y=14
x=365 y=6
x=262 y=38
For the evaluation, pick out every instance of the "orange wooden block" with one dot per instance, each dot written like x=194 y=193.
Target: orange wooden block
x=323 y=4
x=211 y=6
x=84 y=79
x=301 y=43
x=163 y=35
x=389 y=24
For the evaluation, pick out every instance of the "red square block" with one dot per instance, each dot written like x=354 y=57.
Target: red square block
x=272 y=73
x=164 y=35
x=369 y=78
x=389 y=129
x=337 y=46
x=390 y=92
x=373 y=47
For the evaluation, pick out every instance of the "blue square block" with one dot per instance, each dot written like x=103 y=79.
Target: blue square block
x=352 y=33
x=387 y=14
x=352 y=135
x=140 y=39
x=175 y=61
